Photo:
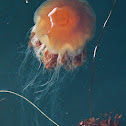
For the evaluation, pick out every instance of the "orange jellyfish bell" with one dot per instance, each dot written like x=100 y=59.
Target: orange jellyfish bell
x=61 y=30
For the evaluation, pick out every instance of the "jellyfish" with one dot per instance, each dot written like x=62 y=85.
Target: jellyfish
x=52 y=49
x=62 y=29
x=102 y=122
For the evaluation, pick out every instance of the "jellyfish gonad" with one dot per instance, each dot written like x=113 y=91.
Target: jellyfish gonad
x=62 y=29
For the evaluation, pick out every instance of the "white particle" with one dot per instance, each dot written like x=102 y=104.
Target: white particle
x=26 y=1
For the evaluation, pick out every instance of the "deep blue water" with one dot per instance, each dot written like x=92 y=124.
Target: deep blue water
x=70 y=104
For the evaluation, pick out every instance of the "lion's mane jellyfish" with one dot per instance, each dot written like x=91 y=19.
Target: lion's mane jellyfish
x=102 y=122
x=62 y=29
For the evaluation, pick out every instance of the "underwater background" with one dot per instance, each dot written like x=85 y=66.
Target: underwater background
x=67 y=102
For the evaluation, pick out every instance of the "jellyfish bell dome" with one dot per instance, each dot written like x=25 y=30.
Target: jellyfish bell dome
x=64 y=27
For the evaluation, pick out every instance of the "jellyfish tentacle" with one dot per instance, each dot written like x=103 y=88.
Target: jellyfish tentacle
x=95 y=51
x=14 y=93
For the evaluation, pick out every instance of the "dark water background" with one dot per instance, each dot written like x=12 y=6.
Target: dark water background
x=109 y=92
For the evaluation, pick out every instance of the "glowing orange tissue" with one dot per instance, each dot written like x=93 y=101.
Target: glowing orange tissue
x=61 y=30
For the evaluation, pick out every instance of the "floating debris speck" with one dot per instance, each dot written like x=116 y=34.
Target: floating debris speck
x=26 y=1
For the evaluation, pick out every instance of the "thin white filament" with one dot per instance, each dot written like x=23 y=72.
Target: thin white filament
x=95 y=52
x=2 y=99
x=105 y=23
x=11 y=92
